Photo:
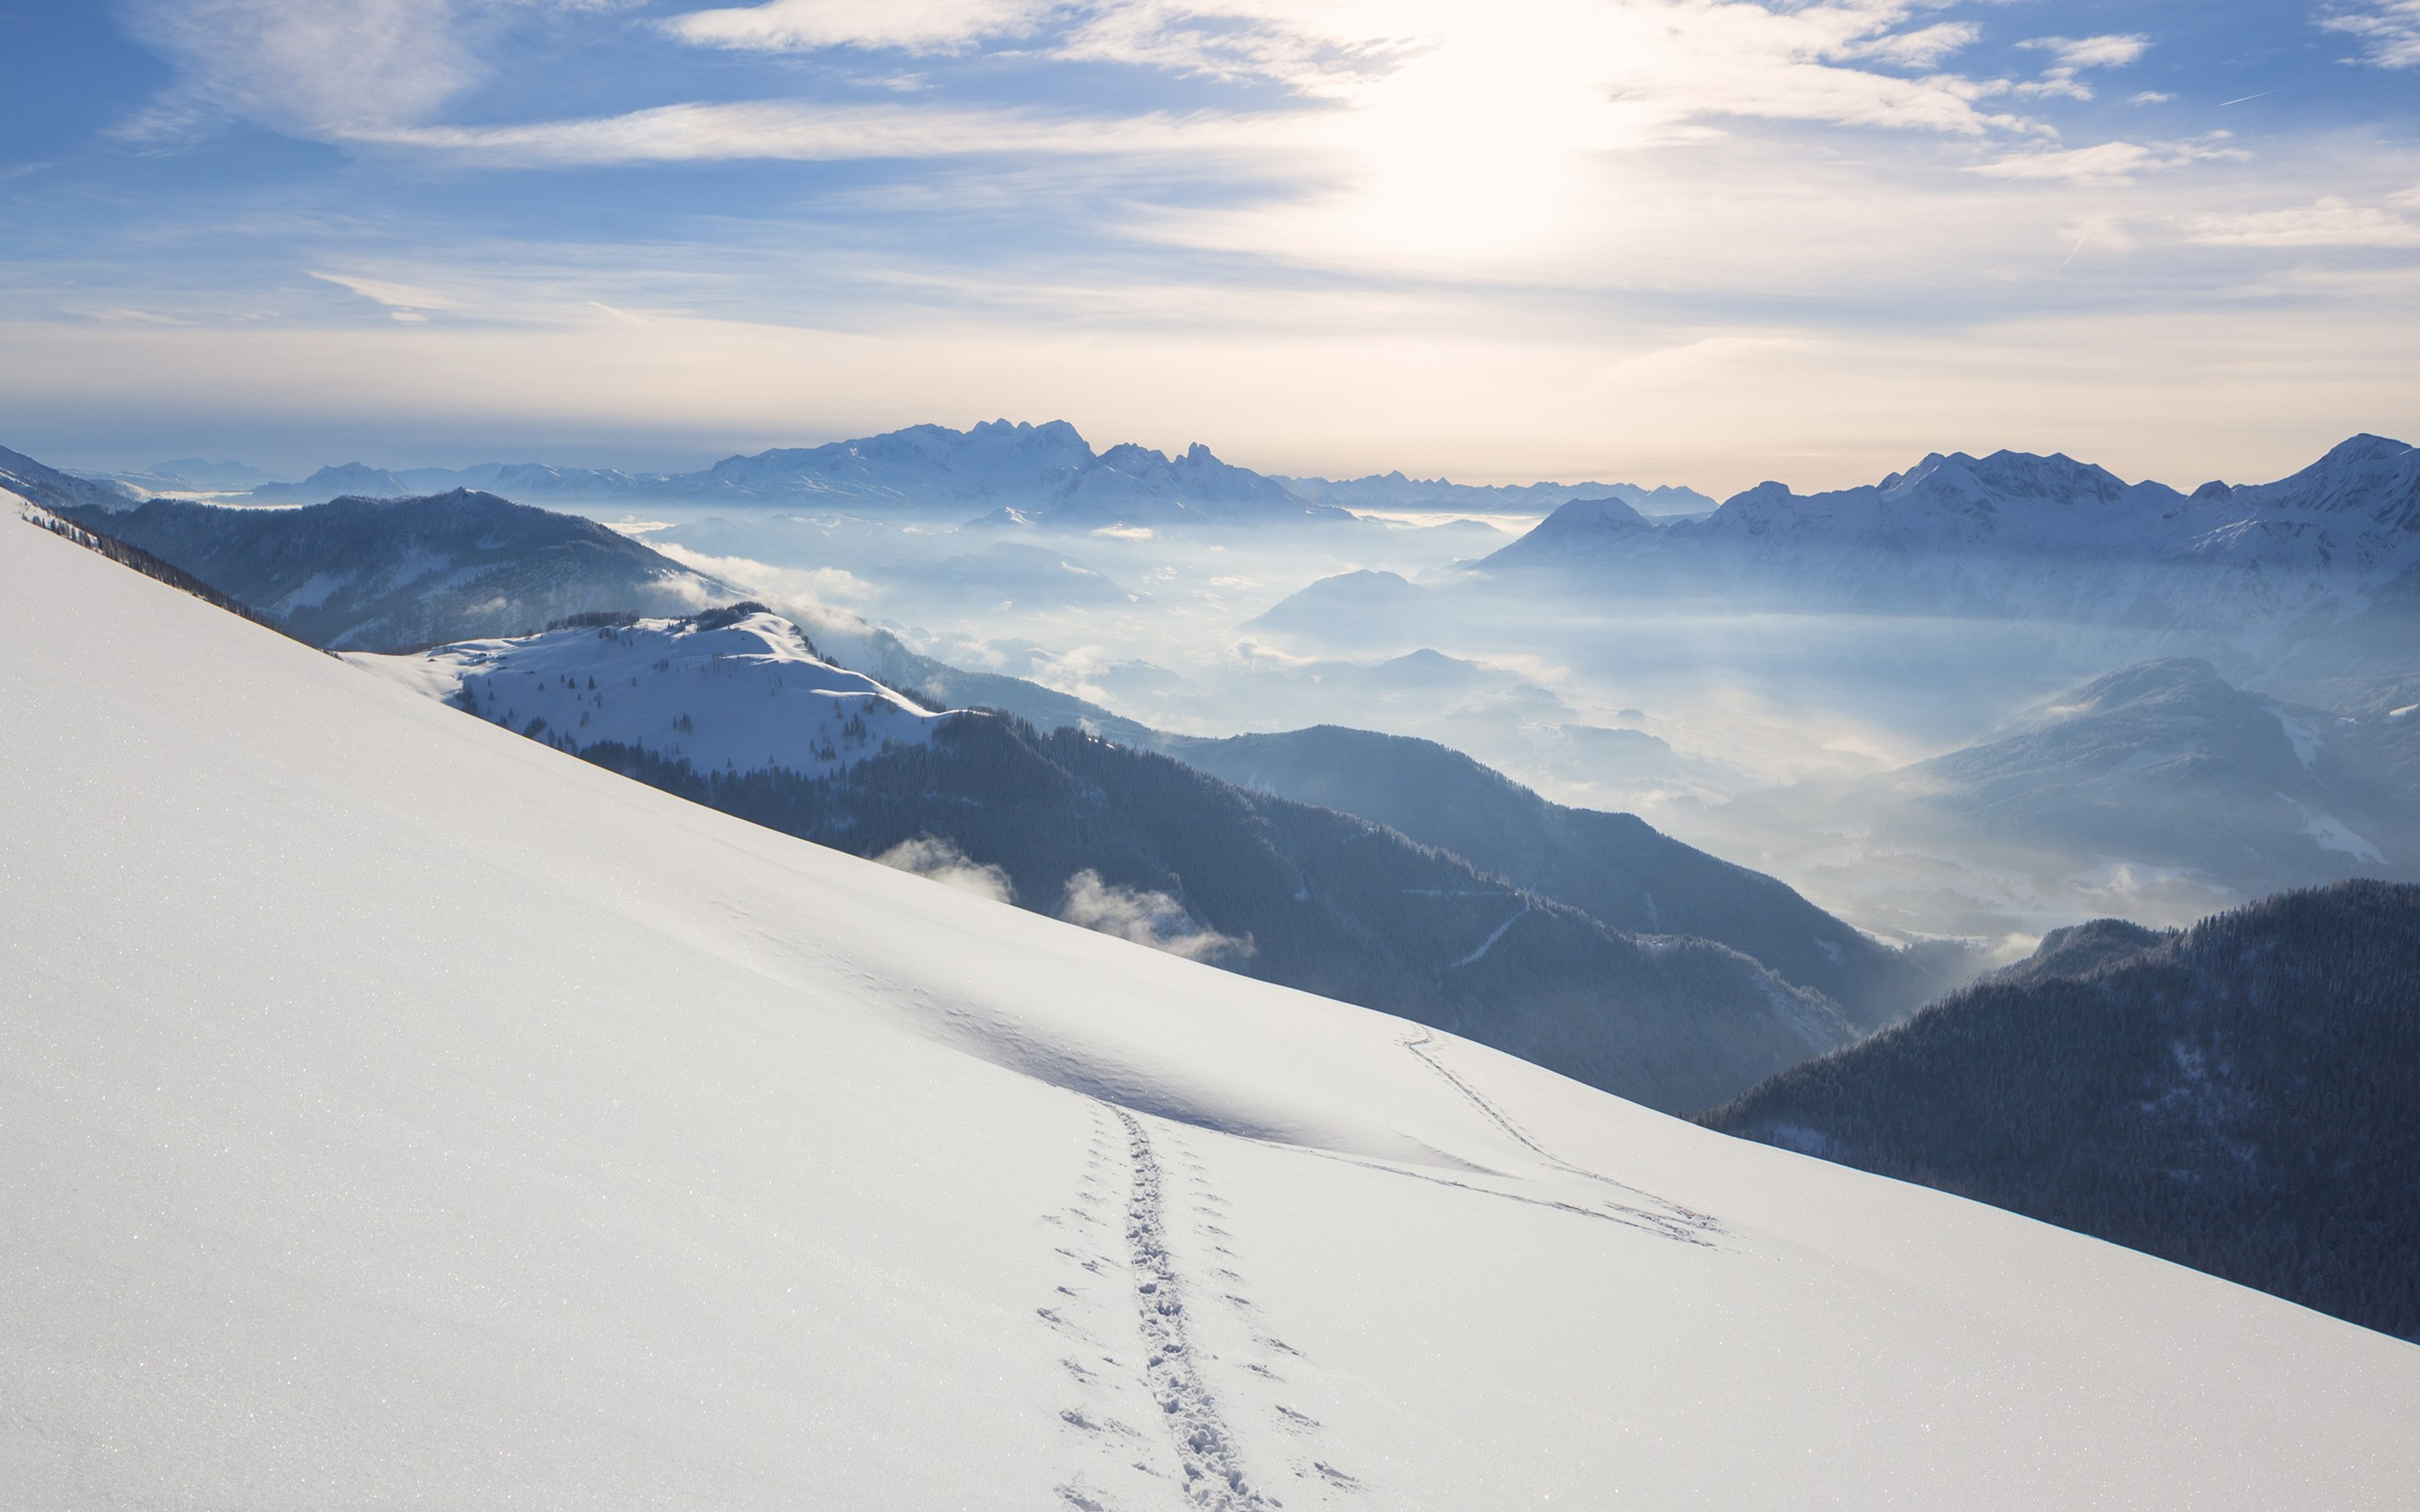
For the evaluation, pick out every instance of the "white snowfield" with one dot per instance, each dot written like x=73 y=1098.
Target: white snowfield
x=744 y=695
x=396 y=1112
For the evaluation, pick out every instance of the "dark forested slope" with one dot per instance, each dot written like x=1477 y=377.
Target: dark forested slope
x=2243 y=1097
x=1614 y=867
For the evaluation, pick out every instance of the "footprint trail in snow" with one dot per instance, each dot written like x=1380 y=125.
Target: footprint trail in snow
x=1187 y=1399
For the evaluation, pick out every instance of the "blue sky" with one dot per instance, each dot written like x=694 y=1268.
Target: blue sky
x=1698 y=241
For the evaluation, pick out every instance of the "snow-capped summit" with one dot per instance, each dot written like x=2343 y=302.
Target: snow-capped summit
x=736 y=689
x=2012 y=477
x=2371 y=476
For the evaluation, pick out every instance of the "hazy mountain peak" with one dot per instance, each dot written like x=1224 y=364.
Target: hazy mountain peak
x=358 y=479
x=2168 y=677
x=1770 y=492
x=1594 y=514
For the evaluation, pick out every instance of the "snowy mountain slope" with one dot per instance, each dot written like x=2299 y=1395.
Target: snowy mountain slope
x=400 y=1110
x=2262 y=568
x=732 y=709
x=385 y=574
x=766 y=697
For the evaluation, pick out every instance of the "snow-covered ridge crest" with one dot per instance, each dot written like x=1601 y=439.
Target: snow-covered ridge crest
x=735 y=688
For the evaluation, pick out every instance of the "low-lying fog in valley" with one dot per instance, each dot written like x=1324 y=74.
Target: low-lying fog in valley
x=1769 y=736
x=1979 y=699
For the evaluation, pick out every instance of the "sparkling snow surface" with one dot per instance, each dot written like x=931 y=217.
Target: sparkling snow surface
x=745 y=695
x=394 y=1111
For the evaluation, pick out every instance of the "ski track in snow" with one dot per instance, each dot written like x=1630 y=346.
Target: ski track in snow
x=1673 y=1221
x=1489 y=944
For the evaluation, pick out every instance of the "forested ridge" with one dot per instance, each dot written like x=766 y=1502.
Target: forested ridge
x=2239 y=1097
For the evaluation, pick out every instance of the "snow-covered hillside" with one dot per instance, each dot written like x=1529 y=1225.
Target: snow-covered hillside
x=738 y=688
x=732 y=708
x=393 y=1109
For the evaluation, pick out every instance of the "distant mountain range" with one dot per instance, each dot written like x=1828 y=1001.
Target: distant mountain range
x=2236 y=1097
x=2317 y=574
x=1004 y=474
x=1395 y=492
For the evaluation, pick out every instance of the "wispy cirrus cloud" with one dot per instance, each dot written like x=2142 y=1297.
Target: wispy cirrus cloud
x=2389 y=30
x=2109 y=163
x=800 y=131
x=913 y=26
x=2328 y=221
x=2076 y=53
x=405 y=301
x=314 y=70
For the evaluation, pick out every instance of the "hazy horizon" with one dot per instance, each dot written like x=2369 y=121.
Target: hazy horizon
x=1651 y=240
